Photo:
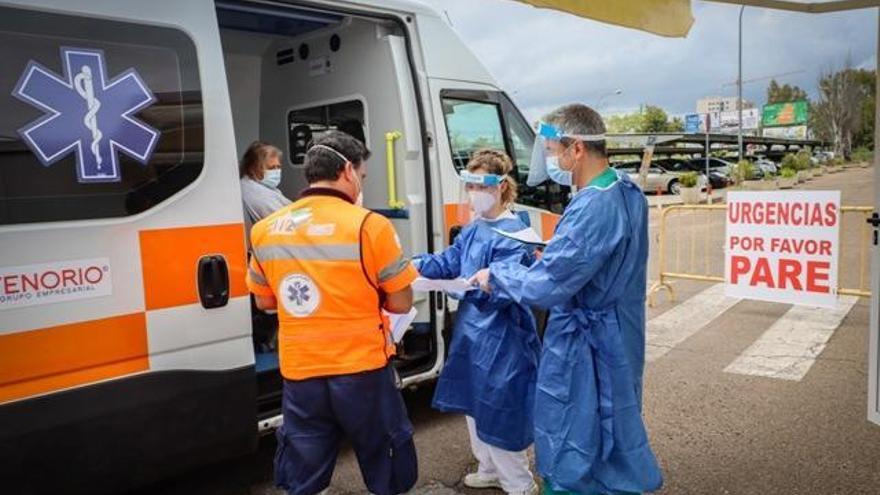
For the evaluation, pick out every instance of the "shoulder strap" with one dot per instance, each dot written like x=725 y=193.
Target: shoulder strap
x=361 y=250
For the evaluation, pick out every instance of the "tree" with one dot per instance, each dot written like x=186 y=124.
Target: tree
x=864 y=136
x=654 y=120
x=624 y=123
x=837 y=114
x=650 y=119
x=675 y=125
x=784 y=93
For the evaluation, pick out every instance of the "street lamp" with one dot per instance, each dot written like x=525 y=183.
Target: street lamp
x=739 y=87
x=616 y=92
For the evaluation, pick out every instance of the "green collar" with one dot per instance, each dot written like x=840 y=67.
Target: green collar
x=604 y=180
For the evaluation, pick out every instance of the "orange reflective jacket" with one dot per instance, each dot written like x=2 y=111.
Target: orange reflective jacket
x=326 y=261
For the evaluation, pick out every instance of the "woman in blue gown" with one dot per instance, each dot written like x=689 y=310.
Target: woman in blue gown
x=492 y=366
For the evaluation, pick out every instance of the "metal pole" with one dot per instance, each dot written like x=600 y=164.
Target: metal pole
x=708 y=181
x=874 y=340
x=739 y=86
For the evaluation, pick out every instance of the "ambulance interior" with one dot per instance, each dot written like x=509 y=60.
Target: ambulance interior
x=295 y=73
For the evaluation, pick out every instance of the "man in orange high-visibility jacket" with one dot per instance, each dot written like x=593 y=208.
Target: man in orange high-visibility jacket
x=330 y=267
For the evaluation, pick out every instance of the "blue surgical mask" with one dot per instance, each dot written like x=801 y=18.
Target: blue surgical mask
x=271 y=178
x=557 y=175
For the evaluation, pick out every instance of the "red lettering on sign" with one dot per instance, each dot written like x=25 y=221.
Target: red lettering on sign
x=9 y=285
x=789 y=271
x=94 y=274
x=831 y=214
x=762 y=274
x=30 y=283
x=817 y=271
x=53 y=276
x=739 y=265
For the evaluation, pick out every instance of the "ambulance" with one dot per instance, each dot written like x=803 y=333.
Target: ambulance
x=128 y=349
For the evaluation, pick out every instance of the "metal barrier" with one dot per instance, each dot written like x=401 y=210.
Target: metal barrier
x=699 y=254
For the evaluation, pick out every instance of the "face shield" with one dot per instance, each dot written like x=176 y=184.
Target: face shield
x=479 y=194
x=550 y=144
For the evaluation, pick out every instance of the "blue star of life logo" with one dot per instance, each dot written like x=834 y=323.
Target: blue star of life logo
x=298 y=293
x=87 y=114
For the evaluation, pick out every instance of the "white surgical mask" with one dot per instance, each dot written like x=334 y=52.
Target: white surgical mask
x=360 y=197
x=271 y=178
x=557 y=175
x=481 y=202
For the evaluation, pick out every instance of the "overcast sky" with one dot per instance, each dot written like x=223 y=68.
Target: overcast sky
x=545 y=58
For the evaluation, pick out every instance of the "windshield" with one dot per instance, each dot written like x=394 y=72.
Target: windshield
x=488 y=119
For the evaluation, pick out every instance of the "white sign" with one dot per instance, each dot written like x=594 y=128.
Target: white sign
x=790 y=132
x=728 y=122
x=783 y=246
x=48 y=283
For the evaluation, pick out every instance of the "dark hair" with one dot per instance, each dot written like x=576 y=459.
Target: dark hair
x=252 y=161
x=322 y=164
x=576 y=118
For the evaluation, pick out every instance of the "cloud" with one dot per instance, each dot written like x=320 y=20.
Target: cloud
x=545 y=58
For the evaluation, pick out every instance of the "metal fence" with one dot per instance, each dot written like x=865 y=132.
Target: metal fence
x=690 y=246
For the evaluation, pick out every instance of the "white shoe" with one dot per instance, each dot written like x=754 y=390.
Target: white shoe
x=532 y=490
x=477 y=480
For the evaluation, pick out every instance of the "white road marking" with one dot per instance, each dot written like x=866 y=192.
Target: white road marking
x=679 y=323
x=791 y=345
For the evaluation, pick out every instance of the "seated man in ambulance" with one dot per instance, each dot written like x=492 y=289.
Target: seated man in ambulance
x=260 y=173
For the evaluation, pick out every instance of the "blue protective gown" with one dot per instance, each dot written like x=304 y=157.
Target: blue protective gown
x=589 y=433
x=492 y=366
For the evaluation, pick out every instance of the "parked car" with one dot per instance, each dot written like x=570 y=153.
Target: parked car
x=723 y=167
x=717 y=178
x=766 y=166
x=658 y=178
x=823 y=156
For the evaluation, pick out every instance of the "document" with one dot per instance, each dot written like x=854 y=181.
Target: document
x=525 y=236
x=400 y=323
x=423 y=284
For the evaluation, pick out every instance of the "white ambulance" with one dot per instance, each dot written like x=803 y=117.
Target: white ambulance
x=126 y=344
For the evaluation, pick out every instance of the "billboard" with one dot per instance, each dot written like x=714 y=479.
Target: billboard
x=784 y=114
x=790 y=132
x=728 y=122
x=695 y=122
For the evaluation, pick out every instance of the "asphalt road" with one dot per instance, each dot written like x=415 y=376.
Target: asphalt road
x=803 y=431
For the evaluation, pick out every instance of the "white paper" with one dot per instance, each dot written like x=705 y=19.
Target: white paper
x=423 y=284
x=400 y=323
x=525 y=236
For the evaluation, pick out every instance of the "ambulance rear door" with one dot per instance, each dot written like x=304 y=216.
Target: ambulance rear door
x=125 y=329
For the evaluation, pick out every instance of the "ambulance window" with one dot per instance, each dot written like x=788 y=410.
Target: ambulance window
x=472 y=126
x=306 y=124
x=98 y=118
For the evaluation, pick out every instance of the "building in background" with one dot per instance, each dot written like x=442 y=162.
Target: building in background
x=714 y=104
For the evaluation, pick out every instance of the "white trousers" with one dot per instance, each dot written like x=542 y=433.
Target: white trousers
x=511 y=468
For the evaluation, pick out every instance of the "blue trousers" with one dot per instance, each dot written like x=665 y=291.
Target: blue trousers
x=364 y=408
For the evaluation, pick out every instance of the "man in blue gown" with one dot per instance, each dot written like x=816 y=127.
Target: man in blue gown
x=590 y=437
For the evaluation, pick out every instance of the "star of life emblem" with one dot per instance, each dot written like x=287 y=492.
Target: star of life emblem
x=299 y=295
x=87 y=114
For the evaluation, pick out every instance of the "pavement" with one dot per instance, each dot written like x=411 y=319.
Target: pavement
x=741 y=397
